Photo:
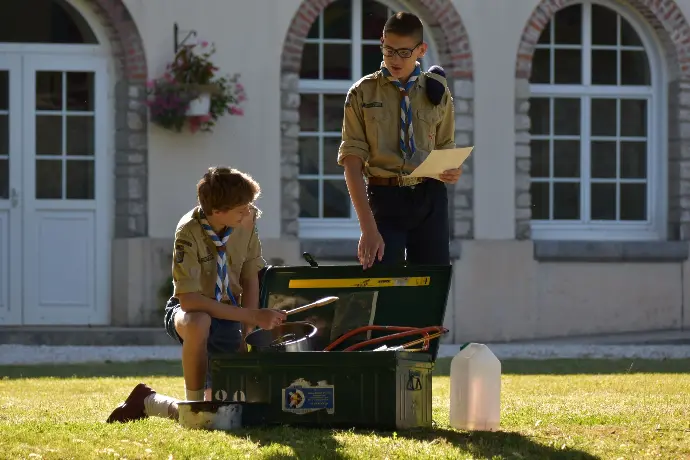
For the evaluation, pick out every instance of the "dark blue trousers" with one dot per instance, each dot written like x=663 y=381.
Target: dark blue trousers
x=413 y=222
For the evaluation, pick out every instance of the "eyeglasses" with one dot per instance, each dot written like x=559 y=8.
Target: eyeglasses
x=404 y=53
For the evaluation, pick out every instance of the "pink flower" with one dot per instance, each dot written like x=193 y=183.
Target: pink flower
x=150 y=84
x=239 y=87
x=204 y=44
x=235 y=111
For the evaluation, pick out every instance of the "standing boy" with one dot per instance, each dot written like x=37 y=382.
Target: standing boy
x=390 y=125
x=215 y=303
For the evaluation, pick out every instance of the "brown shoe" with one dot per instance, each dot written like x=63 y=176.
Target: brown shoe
x=133 y=407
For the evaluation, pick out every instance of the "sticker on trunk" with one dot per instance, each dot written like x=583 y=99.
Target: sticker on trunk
x=301 y=397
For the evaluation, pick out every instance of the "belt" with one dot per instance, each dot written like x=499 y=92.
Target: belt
x=396 y=181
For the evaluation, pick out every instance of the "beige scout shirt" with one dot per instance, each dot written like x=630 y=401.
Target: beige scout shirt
x=371 y=124
x=194 y=260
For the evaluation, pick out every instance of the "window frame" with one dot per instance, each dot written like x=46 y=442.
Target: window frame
x=343 y=228
x=655 y=227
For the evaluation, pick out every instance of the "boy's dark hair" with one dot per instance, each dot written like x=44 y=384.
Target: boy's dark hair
x=405 y=25
x=222 y=189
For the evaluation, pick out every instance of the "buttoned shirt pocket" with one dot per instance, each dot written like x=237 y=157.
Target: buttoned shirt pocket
x=376 y=123
x=425 y=130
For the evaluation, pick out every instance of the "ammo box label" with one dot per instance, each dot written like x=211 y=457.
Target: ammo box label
x=301 y=397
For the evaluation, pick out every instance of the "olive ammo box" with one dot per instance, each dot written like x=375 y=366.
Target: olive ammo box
x=345 y=389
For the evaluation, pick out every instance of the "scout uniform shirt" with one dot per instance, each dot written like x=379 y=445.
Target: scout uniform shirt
x=194 y=261
x=371 y=124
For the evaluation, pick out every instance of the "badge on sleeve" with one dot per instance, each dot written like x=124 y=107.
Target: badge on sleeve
x=179 y=255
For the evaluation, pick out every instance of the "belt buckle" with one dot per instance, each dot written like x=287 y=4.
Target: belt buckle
x=406 y=181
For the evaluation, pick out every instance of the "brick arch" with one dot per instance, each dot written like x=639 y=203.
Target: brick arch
x=130 y=136
x=453 y=48
x=673 y=33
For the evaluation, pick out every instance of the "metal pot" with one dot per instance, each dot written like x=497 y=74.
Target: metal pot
x=294 y=336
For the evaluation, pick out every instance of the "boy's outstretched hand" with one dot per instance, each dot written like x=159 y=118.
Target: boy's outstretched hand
x=450 y=176
x=268 y=319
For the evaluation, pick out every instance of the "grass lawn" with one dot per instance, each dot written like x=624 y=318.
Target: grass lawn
x=587 y=409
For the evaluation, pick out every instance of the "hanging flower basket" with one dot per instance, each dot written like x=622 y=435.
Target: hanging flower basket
x=191 y=94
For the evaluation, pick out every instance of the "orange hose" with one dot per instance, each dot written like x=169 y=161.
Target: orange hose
x=415 y=331
x=404 y=331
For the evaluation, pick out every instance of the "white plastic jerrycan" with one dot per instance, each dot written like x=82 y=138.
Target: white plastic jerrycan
x=475 y=389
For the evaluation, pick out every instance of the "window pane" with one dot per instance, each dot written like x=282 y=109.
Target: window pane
x=539 y=164
x=309 y=155
x=566 y=158
x=336 y=200
x=371 y=59
x=310 y=62
x=633 y=201
x=541 y=65
x=628 y=35
x=337 y=20
x=604 y=26
x=604 y=67
x=80 y=91
x=603 y=201
x=4 y=90
x=4 y=135
x=635 y=68
x=374 y=17
x=333 y=106
x=603 y=159
x=48 y=90
x=540 y=200
x=603 y=117
x=539 y=115
x=566 y=200
x=545 y=36
x=309 y=112
x=634 y=160
x=330 y=156
x=568 y=67
x=48 y=135
x=634 y=117
x=336 y=62
x=80 y=135
x=43 y=21
x=314 y=29
x=80 y=180
x=48 y=179
x=566 y=116
x=309 y=198
x=568 y=25
x=4 y=179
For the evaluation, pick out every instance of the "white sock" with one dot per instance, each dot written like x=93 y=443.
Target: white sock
x=194 y=395
x=157 y=405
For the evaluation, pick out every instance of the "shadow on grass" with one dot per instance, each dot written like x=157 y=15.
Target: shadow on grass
x=441 y=368
x=580 y=366
x=322 y=444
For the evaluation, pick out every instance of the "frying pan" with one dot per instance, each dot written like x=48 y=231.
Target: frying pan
x=289 y=336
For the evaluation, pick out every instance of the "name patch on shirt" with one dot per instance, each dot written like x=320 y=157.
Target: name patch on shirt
x=369 y=105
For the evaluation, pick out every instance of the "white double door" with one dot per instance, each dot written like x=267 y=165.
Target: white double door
x=54 y=210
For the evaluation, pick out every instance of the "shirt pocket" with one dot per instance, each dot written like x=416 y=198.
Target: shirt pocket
x=425 y=132
x=377 y=124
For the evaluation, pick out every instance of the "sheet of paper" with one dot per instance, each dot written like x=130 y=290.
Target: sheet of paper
x=441 y=160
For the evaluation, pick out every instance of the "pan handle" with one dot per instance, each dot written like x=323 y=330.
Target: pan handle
x=318 y=303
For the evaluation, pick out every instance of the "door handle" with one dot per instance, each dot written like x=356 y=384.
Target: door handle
x=14 y=197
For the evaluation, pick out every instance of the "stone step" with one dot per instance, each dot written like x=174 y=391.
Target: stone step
x=84 y=336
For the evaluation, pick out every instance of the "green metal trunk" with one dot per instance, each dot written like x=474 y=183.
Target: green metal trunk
x=357 y=389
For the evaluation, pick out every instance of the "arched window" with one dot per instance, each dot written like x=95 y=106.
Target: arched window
x=596 y=128
x=342 y=46
x=43 y=21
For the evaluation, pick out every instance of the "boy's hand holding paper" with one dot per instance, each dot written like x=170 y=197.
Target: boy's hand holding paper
x=439 y=161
